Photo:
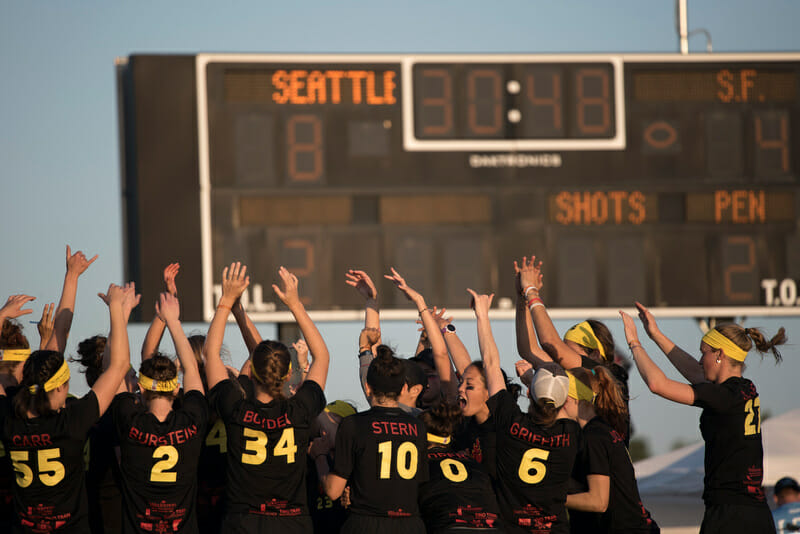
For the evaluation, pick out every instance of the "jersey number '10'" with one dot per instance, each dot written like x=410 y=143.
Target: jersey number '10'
x=406 y=459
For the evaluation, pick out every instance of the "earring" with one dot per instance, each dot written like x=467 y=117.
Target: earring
x=719 y=360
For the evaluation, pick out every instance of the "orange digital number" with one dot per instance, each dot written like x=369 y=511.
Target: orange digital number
x=553 y=102
x=444 y=102
x=734 y=269
x=474 y=102
x=584 y=101
x=781 y=142
x=300 y=150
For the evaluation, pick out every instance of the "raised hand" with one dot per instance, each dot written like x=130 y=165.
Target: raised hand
x=480 y=303
x=301 y=348
x=362 y=282
x=168 y=308
x=439 y=317
x=46 y=324
x=631 y=334
x=114 y=294
x=13 y=306
x=530 y=273
x=170 y=272
x=131 y=299
x=524 y=371
x=234 y=282
x=648 y=321
x=289 y=294
x=401 y=284
x=77 y=263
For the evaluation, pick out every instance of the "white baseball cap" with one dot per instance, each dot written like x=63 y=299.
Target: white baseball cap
x=551 y=383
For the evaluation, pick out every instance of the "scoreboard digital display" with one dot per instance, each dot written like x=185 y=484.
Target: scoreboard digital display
x=672 y=180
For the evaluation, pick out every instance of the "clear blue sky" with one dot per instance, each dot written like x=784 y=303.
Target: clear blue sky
x=59 y=157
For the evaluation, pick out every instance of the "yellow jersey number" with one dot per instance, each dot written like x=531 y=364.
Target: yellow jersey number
x=51 y=470
x=256 y=446
x=752 y=417
x=532 y=468
x=406 y=459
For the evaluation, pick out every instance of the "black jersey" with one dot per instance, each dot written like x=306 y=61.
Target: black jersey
x=327 y=515
x=158 y=461
x=458 y=493
x=603 y=452
x=47 y=456
x=479 y=441
x=211 y=476
x=731 y=427
x=103 y=478
x=533 y=467
x=382 y=453
x=267 y=446
x=7 y=513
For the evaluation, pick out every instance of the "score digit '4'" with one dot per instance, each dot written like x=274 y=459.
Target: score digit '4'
x=786 y=294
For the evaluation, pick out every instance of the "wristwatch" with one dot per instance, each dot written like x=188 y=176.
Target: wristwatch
x=449 y=329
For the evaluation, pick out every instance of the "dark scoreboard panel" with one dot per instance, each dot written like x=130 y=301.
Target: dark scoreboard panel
x=671 y=180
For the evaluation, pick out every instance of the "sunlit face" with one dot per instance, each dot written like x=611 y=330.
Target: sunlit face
x=472 y=392
x=709 y=361
x=571 y=407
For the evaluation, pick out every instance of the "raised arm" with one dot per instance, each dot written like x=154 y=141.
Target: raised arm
x=318 y=372
x=156 y=331
x=527 y=346
x=685 y=363
x=13 y=309
x=652 y=375
x=441 y=358
x=489 y=353
x=301 y=349
x=551 y=342
x=370 y=335
x=120 y=301
x=248 y=329
x=76 y=266
x=168 y=309
x=234 y=282
x=46 y=325
x=458 y=352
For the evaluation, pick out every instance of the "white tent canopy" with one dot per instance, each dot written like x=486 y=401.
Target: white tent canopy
x=671 y=485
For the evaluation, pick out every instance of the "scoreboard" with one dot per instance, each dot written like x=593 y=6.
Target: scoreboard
x=668 y=179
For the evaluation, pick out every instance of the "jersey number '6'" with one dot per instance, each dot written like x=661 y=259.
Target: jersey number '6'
x=257 y=443
x=531 y=469
x=406 y=459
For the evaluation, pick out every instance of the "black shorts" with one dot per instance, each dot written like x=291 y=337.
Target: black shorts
x=367 y=524
x=737 y=519
x=244 y=523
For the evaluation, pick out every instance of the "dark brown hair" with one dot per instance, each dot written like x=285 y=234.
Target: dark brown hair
x=40 y=366
x=90 y=356
x=442 y=419
x=11 y=337
x=386 y=375
x=543 y=411
x=270 y=366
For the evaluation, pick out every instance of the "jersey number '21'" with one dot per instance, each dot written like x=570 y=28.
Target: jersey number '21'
x=406 y=459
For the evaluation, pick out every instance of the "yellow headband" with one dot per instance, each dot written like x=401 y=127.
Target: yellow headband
x=14 y=355
x=340 y=408
x=716 y=340
x=166 y=386
x=433 y=438
x=583 y=335
x=59 y=378
x=578 y=390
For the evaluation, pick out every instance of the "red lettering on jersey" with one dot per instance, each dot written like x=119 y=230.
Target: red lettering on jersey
x=32 y=440
x=557 y=440
x=616 y=437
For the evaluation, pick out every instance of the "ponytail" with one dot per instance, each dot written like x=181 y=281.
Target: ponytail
x=40 y=366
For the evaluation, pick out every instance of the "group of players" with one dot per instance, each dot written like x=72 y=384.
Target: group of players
x=444 y=446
